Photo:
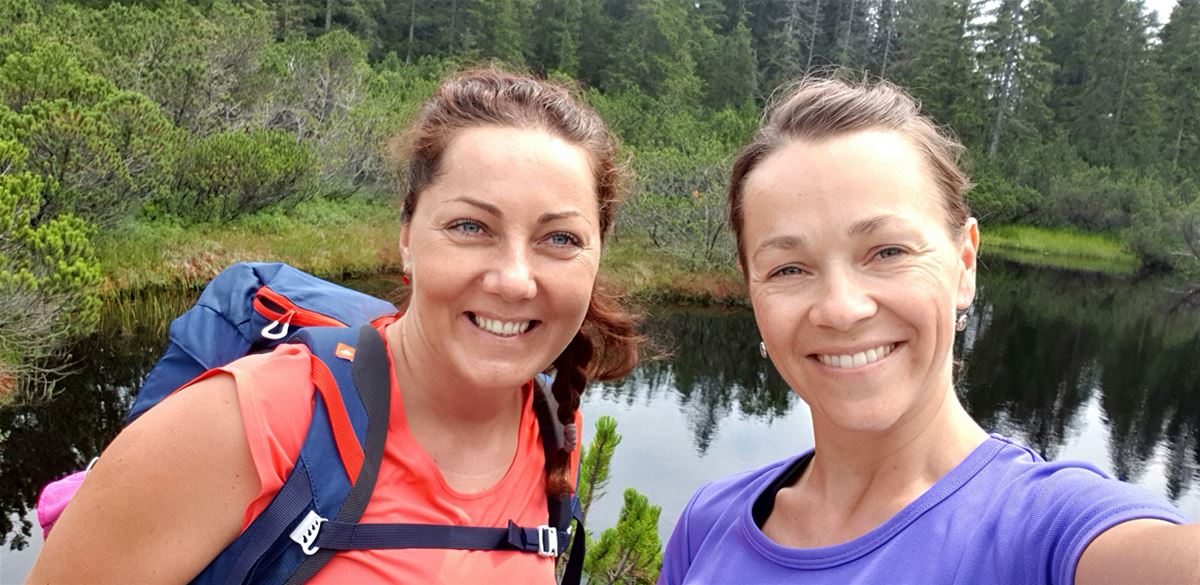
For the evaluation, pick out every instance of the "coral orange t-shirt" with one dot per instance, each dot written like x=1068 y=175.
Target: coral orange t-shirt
x=275 y=394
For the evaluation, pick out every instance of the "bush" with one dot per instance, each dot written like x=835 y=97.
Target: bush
x=233 y=173
x=679 y=204
x=49 y=279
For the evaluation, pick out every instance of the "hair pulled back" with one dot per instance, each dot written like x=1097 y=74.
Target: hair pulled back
x=816 y=109
x=606 y=346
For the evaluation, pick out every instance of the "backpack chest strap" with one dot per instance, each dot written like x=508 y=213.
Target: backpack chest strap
x=315 y=533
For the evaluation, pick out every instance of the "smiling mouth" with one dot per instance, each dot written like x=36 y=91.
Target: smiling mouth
x=502 y=328
x=857 y=360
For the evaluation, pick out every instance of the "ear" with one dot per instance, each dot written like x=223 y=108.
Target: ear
x=405 y=251
x=969 y=256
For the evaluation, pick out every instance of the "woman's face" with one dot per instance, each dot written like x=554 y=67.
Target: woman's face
x=855 y=278
x=503 y=249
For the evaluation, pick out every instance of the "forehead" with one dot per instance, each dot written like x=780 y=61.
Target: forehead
x=529 y=168
x=839 y=181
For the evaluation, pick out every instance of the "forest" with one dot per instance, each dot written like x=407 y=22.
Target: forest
x=127 y=118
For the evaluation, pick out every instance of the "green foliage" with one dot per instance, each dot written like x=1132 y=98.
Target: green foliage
x=654 y=54
x=233 y=173
x=49 y=72
x=1165 y=231
x=49 y=278
x=595 y=460
x=630 y=552
x=680 y=205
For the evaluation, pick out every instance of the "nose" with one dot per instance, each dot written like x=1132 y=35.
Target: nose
x=512 y=277
x=845 y=301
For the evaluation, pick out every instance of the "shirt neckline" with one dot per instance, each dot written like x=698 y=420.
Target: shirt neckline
x=840 y=554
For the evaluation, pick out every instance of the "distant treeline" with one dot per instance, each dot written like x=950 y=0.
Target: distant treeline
x=1081 y=113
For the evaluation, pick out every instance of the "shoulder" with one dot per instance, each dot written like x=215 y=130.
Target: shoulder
x=144 y=494
x=1054 y=509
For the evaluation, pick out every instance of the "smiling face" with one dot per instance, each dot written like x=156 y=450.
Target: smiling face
x=855 y=278
x=503 y=250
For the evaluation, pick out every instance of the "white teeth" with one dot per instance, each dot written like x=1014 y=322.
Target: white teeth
x=859 y=359
x=500 y=328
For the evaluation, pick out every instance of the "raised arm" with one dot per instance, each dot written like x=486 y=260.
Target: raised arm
x=1142 y=551
x=164 y=499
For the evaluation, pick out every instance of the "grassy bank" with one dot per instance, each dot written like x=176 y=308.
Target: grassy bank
x=336 y=239
x=354 y=237
x=1058 y=248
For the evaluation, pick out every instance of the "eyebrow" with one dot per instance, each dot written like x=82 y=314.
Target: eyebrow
x=858 y=228
x=870 y=224
x=484 y=205
x=494 y=210
x=553 y=215
x=788 y=242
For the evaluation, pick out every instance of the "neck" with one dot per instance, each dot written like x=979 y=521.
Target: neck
x=433 y=393
x=899 y=463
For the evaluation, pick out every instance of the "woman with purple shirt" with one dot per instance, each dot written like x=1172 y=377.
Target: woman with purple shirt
x=860 y=256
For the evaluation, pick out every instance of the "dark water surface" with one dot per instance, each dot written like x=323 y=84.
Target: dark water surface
x=1076 y=366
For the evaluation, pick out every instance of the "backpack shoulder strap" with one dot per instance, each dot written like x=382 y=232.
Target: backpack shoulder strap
x=312 y=488
x=372 y=377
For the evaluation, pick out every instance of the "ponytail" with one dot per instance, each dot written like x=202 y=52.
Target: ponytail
x=605 y=348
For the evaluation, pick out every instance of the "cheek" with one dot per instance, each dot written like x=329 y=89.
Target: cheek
x=777 y=316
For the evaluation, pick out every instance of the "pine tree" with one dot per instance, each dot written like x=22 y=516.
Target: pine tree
x=1018 y=72
x=556 y=36
x=1103 y=93
x=935 y=58
x=1178 y=56
x=631 y=551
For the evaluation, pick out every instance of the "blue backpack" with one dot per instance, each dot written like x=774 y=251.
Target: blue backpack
x=252 y=307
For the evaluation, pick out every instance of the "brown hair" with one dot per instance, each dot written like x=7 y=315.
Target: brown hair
x=816 y=109
x=606 y=346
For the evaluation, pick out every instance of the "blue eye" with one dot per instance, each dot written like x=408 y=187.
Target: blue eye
x=563 y=239
x=889 y=252
x=788 y=271
x=468 y=227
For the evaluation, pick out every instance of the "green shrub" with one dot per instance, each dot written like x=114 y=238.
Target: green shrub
x=679 y=204
x=229 y=174
x=49 y=278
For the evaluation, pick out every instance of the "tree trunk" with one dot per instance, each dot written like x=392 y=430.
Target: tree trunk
x=412 y=21
x=1005 y=90
x=812 y=38
x=846 y=39
x=328 y=14
x=1178 y=146
x=887 y=38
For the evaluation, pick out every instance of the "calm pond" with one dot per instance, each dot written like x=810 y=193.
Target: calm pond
x=1076 y=366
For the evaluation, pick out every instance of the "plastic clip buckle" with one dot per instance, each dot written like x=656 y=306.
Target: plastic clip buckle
x=547 y=541
x=305 y=533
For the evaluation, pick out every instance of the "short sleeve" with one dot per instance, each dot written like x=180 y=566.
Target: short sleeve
x=275 y=393
x=1072 y=504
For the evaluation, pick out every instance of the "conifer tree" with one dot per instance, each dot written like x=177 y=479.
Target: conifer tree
x=1178 y=56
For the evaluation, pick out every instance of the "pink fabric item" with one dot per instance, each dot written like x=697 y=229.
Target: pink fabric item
x=55 y=497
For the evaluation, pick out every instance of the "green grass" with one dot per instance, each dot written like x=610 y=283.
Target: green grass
x=350 y=238
x=1058 y=248
x=654 y=275
x=326 y=238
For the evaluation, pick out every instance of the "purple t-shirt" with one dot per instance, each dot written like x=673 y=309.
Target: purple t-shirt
x=1003 y=515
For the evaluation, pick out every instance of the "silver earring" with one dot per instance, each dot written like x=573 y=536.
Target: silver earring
x=762 y=349
x=960 y=323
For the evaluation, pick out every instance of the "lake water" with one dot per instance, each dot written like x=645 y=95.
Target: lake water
x=1076 y=366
